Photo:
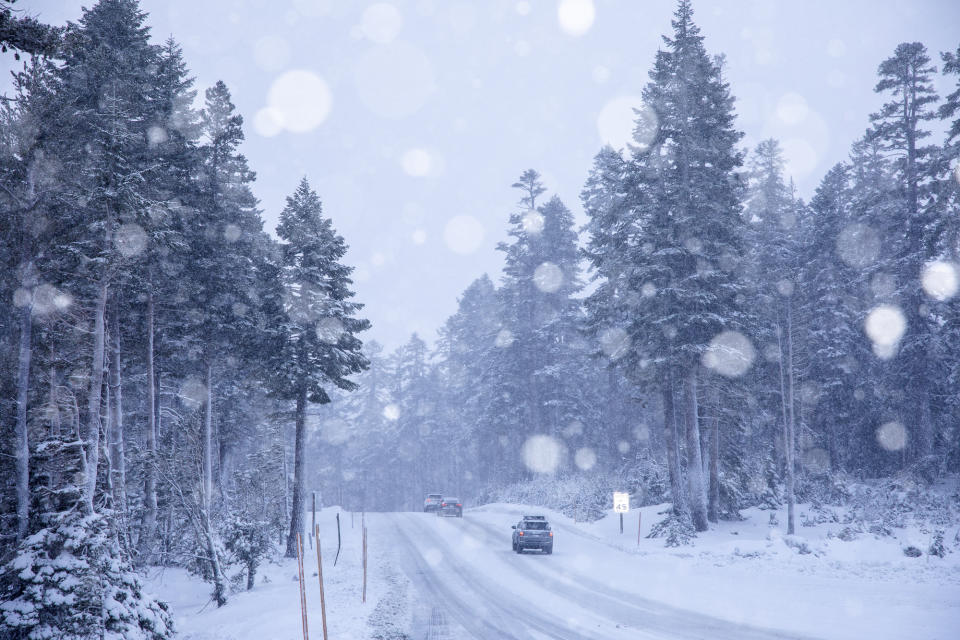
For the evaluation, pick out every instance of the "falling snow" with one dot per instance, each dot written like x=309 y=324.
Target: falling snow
x=940 y=280
x=730 y=354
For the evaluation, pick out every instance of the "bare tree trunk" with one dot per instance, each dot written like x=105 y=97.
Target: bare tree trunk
x=22 y=439
x=791 y=432
x=95 y=398
x=106 y=452
x=296 y=512
x=713 y=501
x=286 y=483
x=117 y=449
x=148 y=525
x=216 y=571
x=787 y=438
x=55 y=426
x=208 y=443
x=698 y=495
x=673 y=454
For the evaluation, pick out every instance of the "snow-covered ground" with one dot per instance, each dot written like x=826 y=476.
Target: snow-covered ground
x=745 y=572
x=433 y=577
x=271 y=611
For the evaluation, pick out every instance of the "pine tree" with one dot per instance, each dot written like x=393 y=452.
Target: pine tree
x=321 y=346
x=775 y=226
x=26 y=33
x=676 y=254
x=540 y=355
x=898 y=128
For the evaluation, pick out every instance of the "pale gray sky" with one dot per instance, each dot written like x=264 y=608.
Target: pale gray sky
x=412 y=118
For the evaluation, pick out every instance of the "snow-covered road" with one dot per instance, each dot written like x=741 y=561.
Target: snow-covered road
x=471 y=585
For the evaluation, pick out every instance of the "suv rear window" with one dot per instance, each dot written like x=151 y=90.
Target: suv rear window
x=534 y=524
x=435 y=496
x=451 y=500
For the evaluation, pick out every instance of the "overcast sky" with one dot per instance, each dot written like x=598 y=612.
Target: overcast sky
x=411 y=118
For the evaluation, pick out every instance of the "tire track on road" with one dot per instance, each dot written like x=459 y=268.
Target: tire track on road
x=493 y=612
x=639 y=612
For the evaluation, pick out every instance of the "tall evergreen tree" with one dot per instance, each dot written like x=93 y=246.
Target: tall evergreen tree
x=686 y=230
x=899 y=129
x=321 y=346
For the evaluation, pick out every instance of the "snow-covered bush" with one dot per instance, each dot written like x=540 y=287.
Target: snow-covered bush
x=820 y=489
x=893 y=503
x=588 y=495
x=582 y=496
x=68 y=581
x=249 y=544
x=798 y=544
x=937 y=547
x=677 y=529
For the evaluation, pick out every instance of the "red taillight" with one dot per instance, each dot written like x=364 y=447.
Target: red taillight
x=459 y=505
x=520 y=533
x=550 y=534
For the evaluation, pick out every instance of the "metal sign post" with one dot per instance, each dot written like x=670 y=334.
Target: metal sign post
x=621 y=505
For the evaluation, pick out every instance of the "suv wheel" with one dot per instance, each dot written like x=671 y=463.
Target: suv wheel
x=548 y=550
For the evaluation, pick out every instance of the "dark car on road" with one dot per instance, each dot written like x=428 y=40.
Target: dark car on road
x=432 y=502
x=533 y=532
x=451 y=507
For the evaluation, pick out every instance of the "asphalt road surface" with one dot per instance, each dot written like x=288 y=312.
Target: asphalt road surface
x=469 y=584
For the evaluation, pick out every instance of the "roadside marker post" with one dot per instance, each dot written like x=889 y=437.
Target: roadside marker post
x=363 y=598
x=303 y=589
x=313 y=518
x=338 y=541
x=323 y=606
x=639 y=526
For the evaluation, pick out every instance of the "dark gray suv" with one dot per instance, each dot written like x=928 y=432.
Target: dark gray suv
x=533 y=532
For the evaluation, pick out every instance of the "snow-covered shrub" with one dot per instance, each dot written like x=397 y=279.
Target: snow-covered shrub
x=818 y=514
x=249 y=544
x=770 y=496
x=582 y=496
x=819 y=489
x=677 y=529
x=848 y=534
x=912 y=552
x=68 y=581
x=588 y=495
x=893 y=503
x=798 y=544
x=732 y=495
x=937 y=547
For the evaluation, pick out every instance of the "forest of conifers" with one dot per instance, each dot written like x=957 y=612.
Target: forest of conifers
x=175 y=380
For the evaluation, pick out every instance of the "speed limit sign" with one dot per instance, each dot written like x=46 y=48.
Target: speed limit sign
x=621 y=502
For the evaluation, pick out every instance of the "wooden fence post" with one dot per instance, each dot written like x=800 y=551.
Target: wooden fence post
x=303 y=589
x=364 y=597
x=323 y=605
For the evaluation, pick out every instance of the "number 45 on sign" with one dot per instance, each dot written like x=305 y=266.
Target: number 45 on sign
x=621 y=502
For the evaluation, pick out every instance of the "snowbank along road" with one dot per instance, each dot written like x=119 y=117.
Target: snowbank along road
x=471 y=585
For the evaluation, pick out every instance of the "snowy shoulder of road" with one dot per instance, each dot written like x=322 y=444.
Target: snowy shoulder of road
x=741 y=579
x=271 y=610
